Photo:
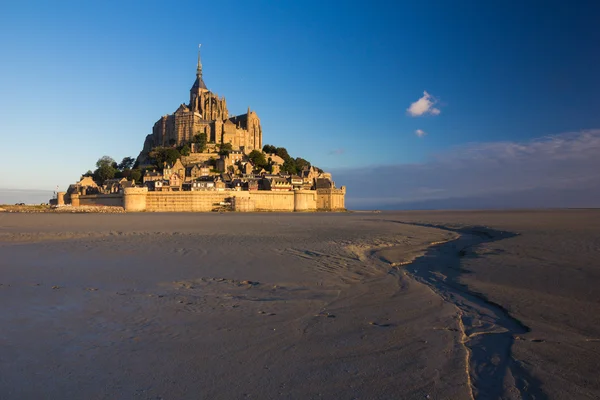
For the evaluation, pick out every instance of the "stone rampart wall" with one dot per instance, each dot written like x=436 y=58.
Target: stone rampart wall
x=243 y=204
x=331 y=199
x=134 y=198
x=305 y=200
x=187 y=201
x=272 y=201
x=140 y=199
x=338 y=200
x=115 y=200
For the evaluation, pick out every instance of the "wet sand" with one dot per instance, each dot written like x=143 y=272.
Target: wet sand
x=412 y=305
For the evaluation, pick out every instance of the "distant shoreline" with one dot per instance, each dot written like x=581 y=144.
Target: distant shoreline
x=27 y=196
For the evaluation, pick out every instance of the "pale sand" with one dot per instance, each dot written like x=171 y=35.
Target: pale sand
x=300 y=306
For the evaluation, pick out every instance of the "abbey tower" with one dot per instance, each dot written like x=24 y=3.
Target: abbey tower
x=207 y=113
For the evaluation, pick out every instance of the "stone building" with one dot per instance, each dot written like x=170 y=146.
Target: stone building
x=230 y=161
x=152 y=176
x=85 y=186
x=207 y=113
x=176 y=168
x=197 y=171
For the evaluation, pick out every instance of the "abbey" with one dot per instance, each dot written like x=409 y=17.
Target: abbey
x=206 y=113
x=202 y=159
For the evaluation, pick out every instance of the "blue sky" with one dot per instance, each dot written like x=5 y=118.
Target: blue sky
x=331 y=81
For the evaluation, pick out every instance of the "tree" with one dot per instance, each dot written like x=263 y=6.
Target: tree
x=127 y=163
x=135 y=175
x=269 y=149
x=289 y=166
x=104 y=172
x=225 y=149
x=156 y=155
x=172 y=142
x=185 y=150
x=283 y=153
x=105 y=160
x=106 y=169
x=160 y=155
x=258 y=159
x=301 y=163
x=200 y=141
x=171 y=155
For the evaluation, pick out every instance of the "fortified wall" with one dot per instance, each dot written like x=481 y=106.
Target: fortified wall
x=115 y=200
x=139 y=199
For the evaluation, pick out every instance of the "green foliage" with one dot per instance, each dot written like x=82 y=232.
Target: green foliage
x=135 y=175
x=185 y=150
x=301 y=163
x=160 y=155
x=105 y=160
x=104 y=172
x=200 y=140
x=156 y=155
x=126 y=163
x=283 y=153
x=269 y=149
x=171 y=155
x=107 y=168
x=225 y=149
x=289 y=166
x=258 y=159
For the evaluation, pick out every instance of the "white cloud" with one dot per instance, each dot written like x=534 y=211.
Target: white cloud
x=552 y=171
x=420 y=132
x=425 y=105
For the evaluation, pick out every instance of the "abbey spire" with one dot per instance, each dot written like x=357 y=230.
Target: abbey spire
x=199 y=67
x=199 y=83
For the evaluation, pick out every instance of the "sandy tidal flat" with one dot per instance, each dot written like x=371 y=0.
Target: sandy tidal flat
x=300 y=306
